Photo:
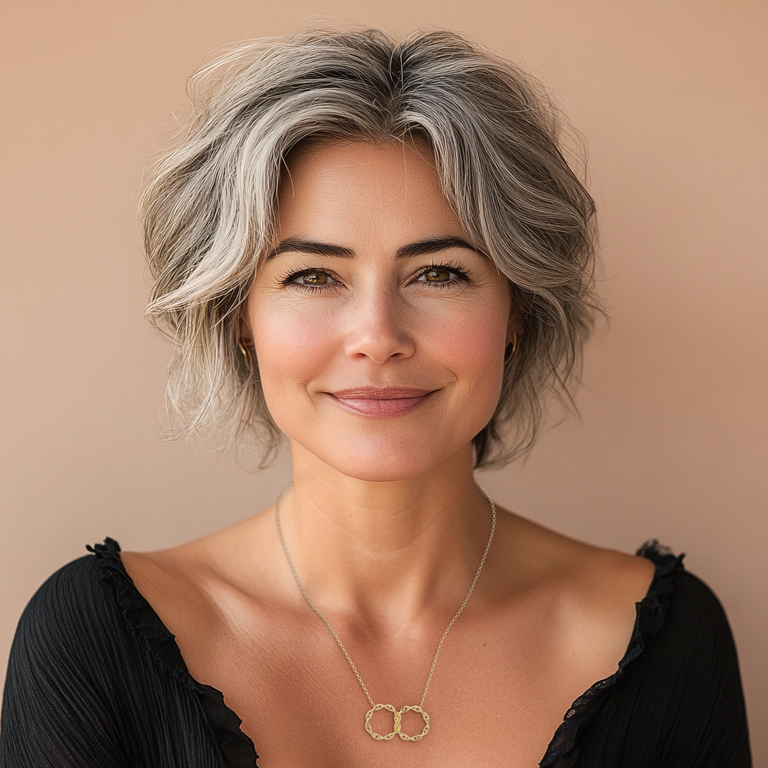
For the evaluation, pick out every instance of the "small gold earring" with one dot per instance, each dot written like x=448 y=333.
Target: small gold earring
x=245 y=352
x=511 y=354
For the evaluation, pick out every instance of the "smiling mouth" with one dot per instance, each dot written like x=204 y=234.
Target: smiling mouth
x=381 y=402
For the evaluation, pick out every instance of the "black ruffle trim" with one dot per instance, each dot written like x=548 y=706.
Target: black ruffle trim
x=237 y=748
x=238 y=751
x=651 y=612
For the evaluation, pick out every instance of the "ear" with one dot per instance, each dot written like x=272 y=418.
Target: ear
x=514 y=329
x=515 y=326
x=244 y=332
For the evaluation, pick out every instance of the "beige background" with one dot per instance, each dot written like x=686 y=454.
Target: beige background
x=671 y=97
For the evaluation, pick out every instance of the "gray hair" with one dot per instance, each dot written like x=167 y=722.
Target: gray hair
x=209 y=208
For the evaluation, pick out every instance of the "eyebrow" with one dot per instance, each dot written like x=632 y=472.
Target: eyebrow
x=421 y=248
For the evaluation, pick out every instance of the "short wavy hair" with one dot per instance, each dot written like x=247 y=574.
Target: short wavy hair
x=209 y=208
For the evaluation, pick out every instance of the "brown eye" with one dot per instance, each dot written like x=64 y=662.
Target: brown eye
x=437 y=275
x=310 y=279
x=313 y=278
x=442 y=275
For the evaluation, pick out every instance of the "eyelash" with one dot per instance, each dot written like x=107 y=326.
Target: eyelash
x=448 y=266
x=288 y=277
x=461 y=277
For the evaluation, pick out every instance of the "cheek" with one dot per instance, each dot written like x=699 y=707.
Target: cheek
x=292 y=348
x=459 y=347
x=471 y=343
x=477 y=344
x=470 y=346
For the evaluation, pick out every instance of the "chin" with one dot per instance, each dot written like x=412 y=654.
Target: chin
x=379 y=461
x=372 y=472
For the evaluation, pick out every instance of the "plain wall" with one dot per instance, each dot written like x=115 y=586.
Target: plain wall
x=673 y=442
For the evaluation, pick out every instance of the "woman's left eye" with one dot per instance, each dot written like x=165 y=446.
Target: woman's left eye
x=313 y=277
x=441 y=275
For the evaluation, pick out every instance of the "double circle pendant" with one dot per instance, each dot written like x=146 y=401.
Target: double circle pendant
x=398 y=717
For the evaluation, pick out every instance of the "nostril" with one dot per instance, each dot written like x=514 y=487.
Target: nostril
x=377 y=331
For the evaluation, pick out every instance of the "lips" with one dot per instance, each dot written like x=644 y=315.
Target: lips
x=381 y=402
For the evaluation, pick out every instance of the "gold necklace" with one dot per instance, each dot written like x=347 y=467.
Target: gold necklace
x=398 y=714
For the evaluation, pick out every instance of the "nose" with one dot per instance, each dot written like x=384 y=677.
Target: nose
x=378 y=328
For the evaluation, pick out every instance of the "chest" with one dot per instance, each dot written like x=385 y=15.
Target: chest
x=499 y=691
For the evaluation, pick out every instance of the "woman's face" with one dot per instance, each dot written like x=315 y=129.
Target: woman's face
x=379 y=332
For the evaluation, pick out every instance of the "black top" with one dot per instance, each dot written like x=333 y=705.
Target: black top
x=96 y=680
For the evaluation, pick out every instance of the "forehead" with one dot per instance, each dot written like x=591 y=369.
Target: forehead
x=364 y=188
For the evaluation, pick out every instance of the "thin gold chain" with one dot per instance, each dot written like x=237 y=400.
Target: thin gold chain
x=333 y=631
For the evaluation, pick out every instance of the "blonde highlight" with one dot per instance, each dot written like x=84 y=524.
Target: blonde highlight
x=209 y=208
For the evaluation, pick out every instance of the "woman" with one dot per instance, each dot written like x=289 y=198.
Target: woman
x=378 y=250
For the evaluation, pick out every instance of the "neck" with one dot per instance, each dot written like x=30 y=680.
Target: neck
x=385 y=551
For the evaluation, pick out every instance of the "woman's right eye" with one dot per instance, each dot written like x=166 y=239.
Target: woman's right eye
x=309 y=278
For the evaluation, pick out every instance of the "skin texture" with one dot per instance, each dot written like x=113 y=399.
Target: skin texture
x=384 y=520
x=377 y=320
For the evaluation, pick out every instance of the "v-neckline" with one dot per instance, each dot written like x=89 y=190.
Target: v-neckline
x=237 y=747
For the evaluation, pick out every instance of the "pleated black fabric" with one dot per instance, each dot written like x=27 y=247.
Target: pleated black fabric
x=95 y=679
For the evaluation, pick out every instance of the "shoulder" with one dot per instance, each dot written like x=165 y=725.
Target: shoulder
x=676 y=697
x=690 y=620
x=179 y=582
x=680 y=601
x=58 y=689
x=686 y=664
x=70 y=614
x=67 y=652
x=88 y=629
x=583 y=576
x=586 y=595
x=69 y=599
x=188 y=584
x=684 y=671
x=694 y=600
x=73 y=584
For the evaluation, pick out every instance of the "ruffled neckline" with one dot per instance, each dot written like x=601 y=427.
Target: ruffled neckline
x=650 y=613
x=237 y=748
x=148 y=629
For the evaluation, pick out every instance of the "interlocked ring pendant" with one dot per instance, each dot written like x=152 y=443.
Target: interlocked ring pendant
x=398 y=718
